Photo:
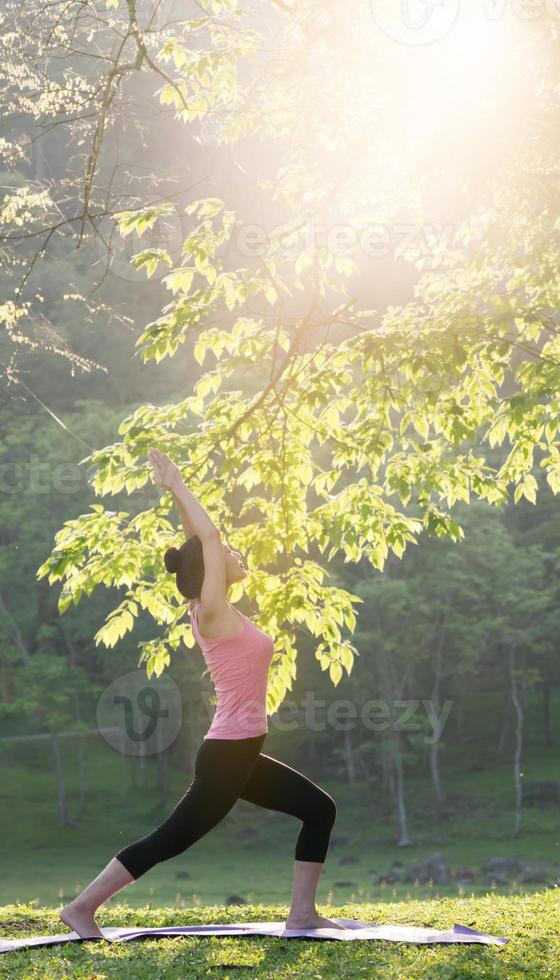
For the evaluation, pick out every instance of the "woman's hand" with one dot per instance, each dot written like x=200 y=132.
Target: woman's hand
x=166 y=473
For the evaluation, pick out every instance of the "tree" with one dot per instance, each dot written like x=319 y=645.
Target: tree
x=514 y=599
x=450 y=637
x=388 y=636
x=47 y=694
x=404 y=408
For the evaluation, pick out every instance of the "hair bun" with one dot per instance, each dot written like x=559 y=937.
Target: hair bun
x=171 y=559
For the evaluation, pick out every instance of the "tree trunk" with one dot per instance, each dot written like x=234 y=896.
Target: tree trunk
x=82 y=776
x=402 y=819
x=78 y=715
x=515 y=698
x=460 y=713
x=18 y=635
x=504 y=731
x=394 y=690
x=59 y=772
x=546 y=691
x=439 y=798
x=8 y=688
x=69 y=644
x=363 y=767
x=386 y=776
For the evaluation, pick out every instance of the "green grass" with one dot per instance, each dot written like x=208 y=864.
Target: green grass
x=531 y=922
x=250 y=853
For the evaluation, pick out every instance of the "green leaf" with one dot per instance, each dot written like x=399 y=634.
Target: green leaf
x=180 y=280
x=335 y=671
x=204 y=385
x=347 y=658
x=150 y=258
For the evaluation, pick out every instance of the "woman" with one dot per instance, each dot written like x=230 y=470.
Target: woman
x=229 y=764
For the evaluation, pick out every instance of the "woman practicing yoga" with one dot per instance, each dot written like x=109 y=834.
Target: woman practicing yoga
x=229 y=764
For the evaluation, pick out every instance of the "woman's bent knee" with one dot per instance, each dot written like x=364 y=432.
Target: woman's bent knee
x=323 y=811
x=328 y=810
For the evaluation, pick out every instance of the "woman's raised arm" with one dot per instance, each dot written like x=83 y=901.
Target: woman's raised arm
x=194 y=518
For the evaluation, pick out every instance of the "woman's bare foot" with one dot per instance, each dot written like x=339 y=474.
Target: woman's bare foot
x=311 y=920
x=80 y=920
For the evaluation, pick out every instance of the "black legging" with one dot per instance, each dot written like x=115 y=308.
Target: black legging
x=227 y=770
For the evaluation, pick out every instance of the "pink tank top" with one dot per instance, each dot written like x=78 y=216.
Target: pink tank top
x=238 y=667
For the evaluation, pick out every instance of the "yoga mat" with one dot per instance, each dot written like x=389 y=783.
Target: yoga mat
x=353 y=930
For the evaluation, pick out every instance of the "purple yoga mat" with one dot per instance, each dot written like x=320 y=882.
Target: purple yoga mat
x=352 y=930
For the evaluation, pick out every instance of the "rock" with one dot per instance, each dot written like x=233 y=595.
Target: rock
x=394 y=874
x=537 y=871
x=501 y=867
x=542 y=794
x=433 y=868
x=235 y=900
x=464 y=874
x=182 y=874
x=349 y=859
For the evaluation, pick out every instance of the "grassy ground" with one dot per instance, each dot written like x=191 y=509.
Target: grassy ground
x=532 y=923
x=250 y=853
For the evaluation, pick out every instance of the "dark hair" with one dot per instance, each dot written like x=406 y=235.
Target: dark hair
x=187 y=562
